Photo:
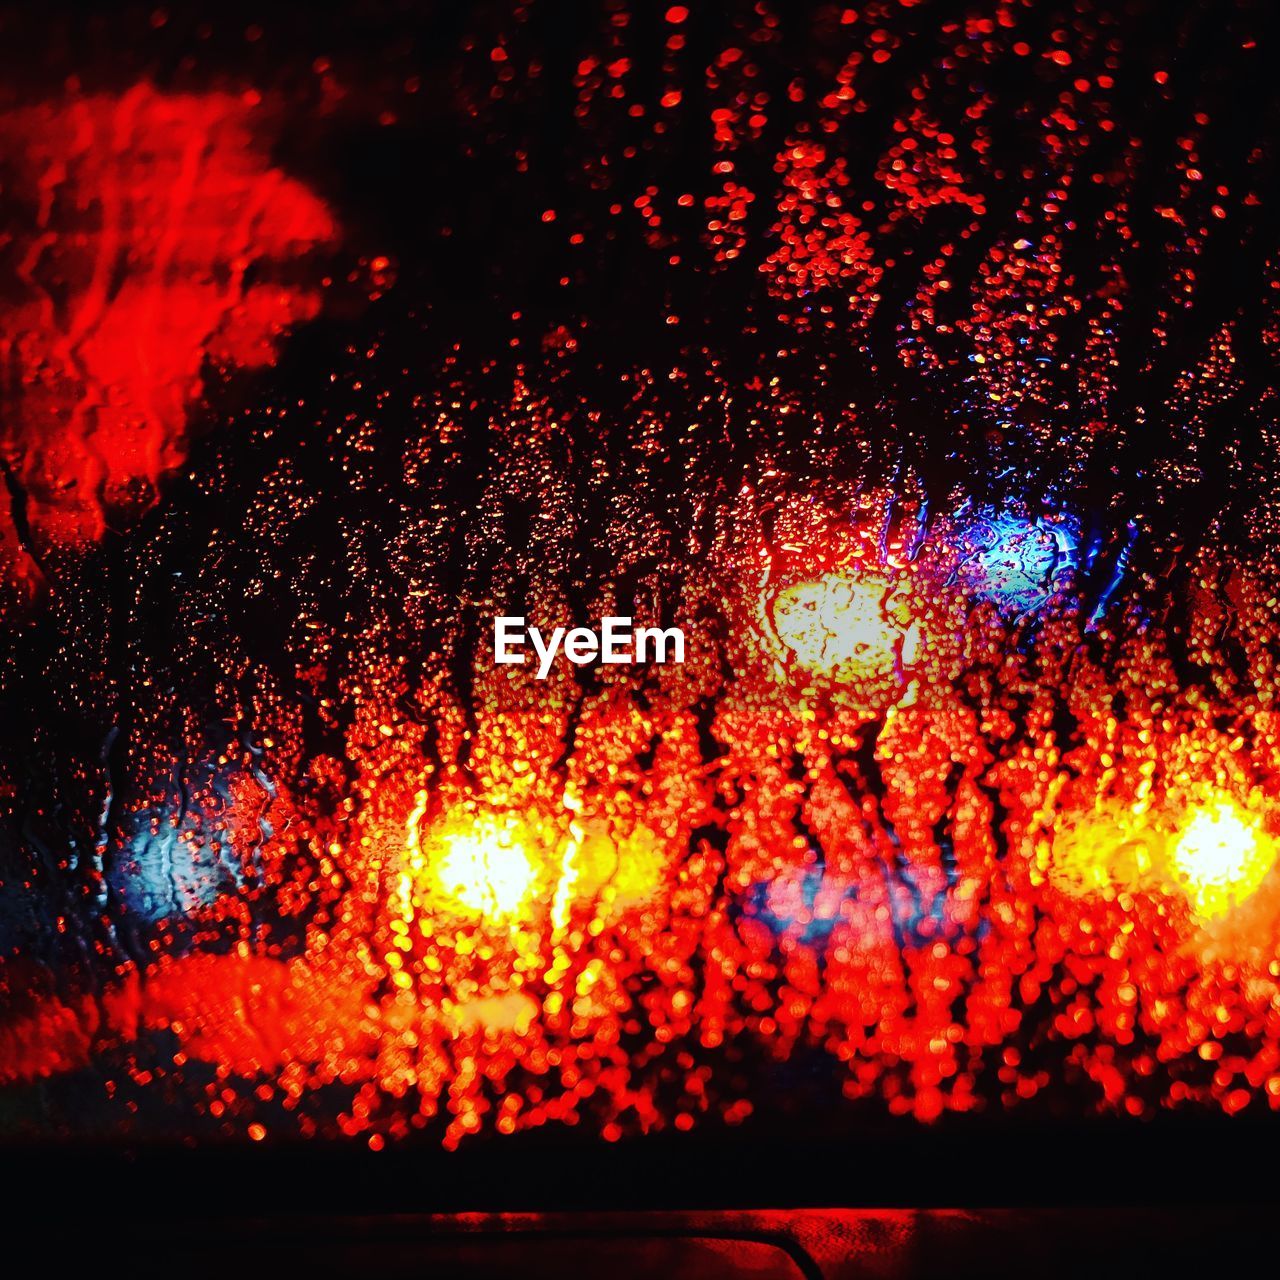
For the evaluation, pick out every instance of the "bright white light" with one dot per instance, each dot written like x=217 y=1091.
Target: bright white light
x=1221 y=857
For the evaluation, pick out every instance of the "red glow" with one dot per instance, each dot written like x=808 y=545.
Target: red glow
x=164 y=204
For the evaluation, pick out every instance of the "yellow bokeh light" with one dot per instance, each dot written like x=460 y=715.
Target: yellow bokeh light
x=481 y=866
x=619 y=871
x=838 y=622
x=1098 y=855
x=487 y=871
x=1220 y=857
x=511 y=870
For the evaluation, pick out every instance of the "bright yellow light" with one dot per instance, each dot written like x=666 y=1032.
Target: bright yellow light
x=838 y=621
x=627 y=868
x=486 y=870
x=1220 y=857
x=619 y=871
x=508 y=869
x=1097 y=855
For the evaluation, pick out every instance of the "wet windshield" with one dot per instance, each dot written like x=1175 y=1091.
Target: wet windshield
x=918 y=369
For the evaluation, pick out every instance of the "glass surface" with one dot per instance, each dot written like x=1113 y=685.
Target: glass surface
x=917 y=363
